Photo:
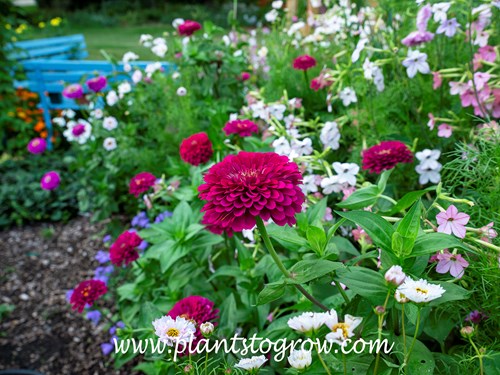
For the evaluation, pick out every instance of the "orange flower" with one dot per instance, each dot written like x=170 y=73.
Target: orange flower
x=40 y=125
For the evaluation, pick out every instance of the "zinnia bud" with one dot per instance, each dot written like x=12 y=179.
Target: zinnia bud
x=395 y=275
x=467 y=331
x=206 y=329
x=380 y=310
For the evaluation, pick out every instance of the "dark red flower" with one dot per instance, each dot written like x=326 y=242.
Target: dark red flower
x=196 y=149
x=140 y=183
x=247 y=185
x=123 y=250
x=244 y=128
x=304 y=62
x=86 y=293
x=188 y=28
x=386 y=155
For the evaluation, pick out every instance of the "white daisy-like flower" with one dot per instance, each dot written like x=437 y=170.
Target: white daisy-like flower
x=277 y=4
x=348 y=96
x=59 y=121
x=177 y=22
x=342 y=331
x=109 y=144
x=109 y=123
x=78 y=131
x=310 y=321
x=420 y=291
x=330 y=135
x=251 y=363
x=124 y=88
x=171 y=331
x=112 y=98
x=145 y=40
x=159 y=50
x=331 y=185
x=129 y=56
x=97 y=113
x=181 y=91
x=300 y=359
x=152 y=68
x=69 y=113
x=137 y=76
x=346 y=172
x=271 y=16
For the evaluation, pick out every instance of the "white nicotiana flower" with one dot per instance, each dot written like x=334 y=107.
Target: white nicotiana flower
x=59 y=121
x=259 y=110
x=271 y=16
x=171 y=331
x=282 y=146
x=348 y=96
x=109 y=144
x=440 y=10
x=357 y=51
x=295 y=28
x=428 y=158
x=378 y=80
x=112 y=98
x=315 y=3
x=420 y=291
x=300 y=359
x=395 y=275
x=181 y=91
x=369 y=69
x=78 y=131
x=342 y=331
x=331 y=185
x=330 y=135
x=302 y=147
x=207 y=328
x=251 y=363
x=248 y=234
x=124 y=88
x=69 y=113
x=415 y=62
x=129 y=56
x=309 y=184
x=137 y=76
x=277 y=111
x=428 y=175
x=109 y=123
x=310 y=321
x=346 y=172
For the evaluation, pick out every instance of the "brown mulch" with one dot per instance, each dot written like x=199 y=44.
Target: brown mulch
x=38 y=264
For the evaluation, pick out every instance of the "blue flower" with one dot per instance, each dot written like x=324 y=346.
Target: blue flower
x=141 y=220
x=102 y=256
x=94 y=316
x=163 y=216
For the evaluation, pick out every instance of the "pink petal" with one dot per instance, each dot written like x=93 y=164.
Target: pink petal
x=445 y=227
x=452 y=211
x=458 y=230
x=441 y=217
x=456 y=270
x=461 y=218
x=443 y=266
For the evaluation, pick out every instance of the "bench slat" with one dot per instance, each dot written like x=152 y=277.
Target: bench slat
x=77 y=39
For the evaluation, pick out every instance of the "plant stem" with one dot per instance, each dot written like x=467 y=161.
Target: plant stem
x=379 y=337
x=342 y=291
x=323 y=362
x=274 y=255
x=388 y=198
x=407 y=358
x=403 y=328
x=479 y=356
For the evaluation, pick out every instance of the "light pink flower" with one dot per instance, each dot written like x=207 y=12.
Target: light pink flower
x=458 y=88
x=480 y=79
x=445 y=131
x=452 y=263
x=488 y=232
x=486 y=53
x=431 y=122
x=437 y=80
x=423 y=17
x=452 y=221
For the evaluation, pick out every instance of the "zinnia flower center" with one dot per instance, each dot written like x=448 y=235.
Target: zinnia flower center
x=173 y=332
x=384 y=152
x=36 y=142
x=86 y=291
x=422 y=291
x=78 y=130
x=47 y=179
x=344 y=327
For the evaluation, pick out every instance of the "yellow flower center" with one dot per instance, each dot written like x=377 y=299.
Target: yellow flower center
x=344 y=327
x=423 y=291
x=173 y=332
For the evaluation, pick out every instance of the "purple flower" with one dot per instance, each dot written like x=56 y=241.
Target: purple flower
x=94 y=316
x=448 y=27
x=417 y=37
x=74 y=91
x=96 y=84
x=102 y=273
x=112 y=330
x=107 y=348
x=163 y=216
x=475 y=317
x=106 y=238
x=102 y=256
x=143 y=246
x=423 y=17
x=452 y=221
x=69 y=293
x=452 y=263
x=141 y=220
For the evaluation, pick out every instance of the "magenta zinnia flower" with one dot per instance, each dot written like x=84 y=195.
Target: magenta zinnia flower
x=50 y=181
x=244 y=128
x=96 y=84
x=141 y=183
x=386 y=155
x=452 y=221
x=452 y=263
x=124 y=249
x=250 y=184
x=37 y=145
x=304 y=62
x=188 y=28
x=86 y=293
x=196 y=149
x=74 y=91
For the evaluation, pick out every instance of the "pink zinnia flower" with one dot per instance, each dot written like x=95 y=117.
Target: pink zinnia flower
x=141 y=183
x=37 y=145
x=304 y=62
x=188 y=28
x=386 y=155
x=251 y=184
x=86 y=293
x=244 y=128
x=452 y=221
x=437 y=80
x=196 y=149
x=50 y=181
x=445 y=131
x=452 y=263
x=124 y=249
x=245 y=76
x=96 y=84
x=74 y=91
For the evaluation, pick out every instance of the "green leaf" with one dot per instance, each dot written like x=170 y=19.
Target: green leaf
x=408 y=199
x=228 y=312
x=377 y=228
x=271 y=292
x=432 y=242
x=344 y=245
x=361 y=198
x=307 y=270
x=317 y=239
x=286 y=236
x=382 y=182
x=316 y=212
x=365 y=282
x=407 y=231
x=421 y=360
x=148 y=313
x=453 y=293
x=231 y=271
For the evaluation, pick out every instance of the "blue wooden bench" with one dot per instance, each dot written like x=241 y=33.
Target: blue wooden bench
x=51 y=64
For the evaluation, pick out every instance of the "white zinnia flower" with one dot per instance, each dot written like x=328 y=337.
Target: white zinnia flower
x=109 y=123
x=310 y=321
x=342 y=331
x=181 y=91
x=330 y=135
x=416 y=61
x=348 y=96
x=109 y=144
x=251 y=363
x=159 y=50
x=271 y=16
x=171 y=331
x=346 y=172
x=145 y=39
x=420 y=291
x=300 y=359
x=112 y=98
x=395 y=275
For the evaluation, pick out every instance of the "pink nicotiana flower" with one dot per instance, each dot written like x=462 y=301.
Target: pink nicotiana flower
x=445 y=131
x=437 y=80
x=486 y=53
x=452 y=221
x=452 y=263
x=417 y=37
x=431 y=121
x=448 y=27
x=423 y=17
x=488 y=233
x=458 y=88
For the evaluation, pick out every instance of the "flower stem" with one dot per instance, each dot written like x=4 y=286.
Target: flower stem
x=323 y=362
x=387 y=198
x=407 y=358
x=274 y=255
x=479 y=356
x=379 y=337
x=342 y=291
x=403 y=328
